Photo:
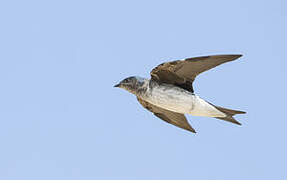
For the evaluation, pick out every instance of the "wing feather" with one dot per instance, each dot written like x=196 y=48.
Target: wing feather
x=183 y=72
x=174 y=118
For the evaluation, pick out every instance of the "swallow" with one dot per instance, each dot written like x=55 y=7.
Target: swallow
x=169 y=93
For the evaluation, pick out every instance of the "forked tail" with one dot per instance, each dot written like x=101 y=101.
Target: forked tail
x=229 y=114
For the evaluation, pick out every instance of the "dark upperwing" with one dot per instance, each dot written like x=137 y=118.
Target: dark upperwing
x=183 y=72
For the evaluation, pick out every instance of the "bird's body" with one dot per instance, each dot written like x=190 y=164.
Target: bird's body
x=169 y=93
x=176 y=99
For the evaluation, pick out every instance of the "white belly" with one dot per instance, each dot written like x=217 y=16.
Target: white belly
x=203 y=108
x=181 y=101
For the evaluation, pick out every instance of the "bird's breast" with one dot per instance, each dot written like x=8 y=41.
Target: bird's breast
x=171 y=98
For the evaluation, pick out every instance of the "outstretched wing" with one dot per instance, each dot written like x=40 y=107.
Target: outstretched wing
x=174 y=118
x=183 y=72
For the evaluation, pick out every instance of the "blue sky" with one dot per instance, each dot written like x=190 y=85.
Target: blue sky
x=61 y=118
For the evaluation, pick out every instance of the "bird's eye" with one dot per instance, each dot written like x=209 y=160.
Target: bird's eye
x=126 y=81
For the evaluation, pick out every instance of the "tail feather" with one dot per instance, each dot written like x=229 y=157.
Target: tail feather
x=229 y=111
x=229 y=114
x=229 y=119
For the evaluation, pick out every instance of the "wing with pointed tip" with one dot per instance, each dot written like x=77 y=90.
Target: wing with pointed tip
x=183 y=72
x=174 y=118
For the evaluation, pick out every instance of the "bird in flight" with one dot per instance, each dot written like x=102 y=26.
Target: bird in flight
x=169 y=93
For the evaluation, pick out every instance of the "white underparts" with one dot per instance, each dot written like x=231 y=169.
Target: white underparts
x=178 y=100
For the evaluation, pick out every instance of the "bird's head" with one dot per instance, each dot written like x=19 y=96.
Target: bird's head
x=131 y=84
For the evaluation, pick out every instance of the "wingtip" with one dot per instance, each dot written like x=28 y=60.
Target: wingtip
x=238 y=55
x=238 y=123
x=192 y=130
x=235 y=56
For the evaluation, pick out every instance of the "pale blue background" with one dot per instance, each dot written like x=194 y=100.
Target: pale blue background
x=61 y=118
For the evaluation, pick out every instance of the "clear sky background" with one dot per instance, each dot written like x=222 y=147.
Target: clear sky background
x=61 y=118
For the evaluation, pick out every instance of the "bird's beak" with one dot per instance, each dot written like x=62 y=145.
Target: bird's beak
x=117 y=85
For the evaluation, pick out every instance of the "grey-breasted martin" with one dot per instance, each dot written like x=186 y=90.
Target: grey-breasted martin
x=169 y=93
